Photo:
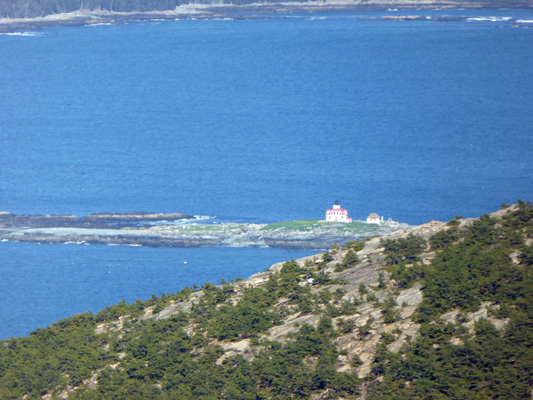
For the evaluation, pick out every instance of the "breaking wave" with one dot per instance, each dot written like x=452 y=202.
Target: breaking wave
x=29 y=33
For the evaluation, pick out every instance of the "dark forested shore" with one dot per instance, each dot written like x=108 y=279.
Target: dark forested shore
x=17 y=15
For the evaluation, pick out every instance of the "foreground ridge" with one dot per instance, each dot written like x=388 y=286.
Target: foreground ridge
x=443 y=310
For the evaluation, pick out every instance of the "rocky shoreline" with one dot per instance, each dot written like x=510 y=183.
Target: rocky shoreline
x=250 y=11
x=158 y=230
x=102 y=220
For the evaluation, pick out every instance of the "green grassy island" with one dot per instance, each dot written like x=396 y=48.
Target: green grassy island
x=440 y=311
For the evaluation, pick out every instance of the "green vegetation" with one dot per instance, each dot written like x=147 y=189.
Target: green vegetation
x=307 y=225
x=205 y=227
x=470 y=267
x=294 y=225
x=157 y=359
x=350 y=260
x=446 y=361
x=403 y=250
x=64 y=354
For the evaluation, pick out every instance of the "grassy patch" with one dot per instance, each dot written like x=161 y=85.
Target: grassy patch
x=207 y=228
x=356 y=227
x=302 y=225
x=310 y=224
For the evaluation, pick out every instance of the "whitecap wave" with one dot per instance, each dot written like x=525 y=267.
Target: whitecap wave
x=204 y=217
x=29 y=33
x=100 y=24
x=490 y=19
x=196 y=219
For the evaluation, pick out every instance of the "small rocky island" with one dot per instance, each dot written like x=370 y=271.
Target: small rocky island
x=183 y=230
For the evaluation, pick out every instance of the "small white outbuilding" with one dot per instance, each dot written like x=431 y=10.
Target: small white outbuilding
x=373 y=219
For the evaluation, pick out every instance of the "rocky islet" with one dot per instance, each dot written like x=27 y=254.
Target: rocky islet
x=179 y=230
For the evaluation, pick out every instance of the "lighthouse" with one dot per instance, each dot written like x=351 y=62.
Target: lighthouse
x=337 y=214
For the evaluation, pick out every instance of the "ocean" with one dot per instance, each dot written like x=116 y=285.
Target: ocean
x=258 y=120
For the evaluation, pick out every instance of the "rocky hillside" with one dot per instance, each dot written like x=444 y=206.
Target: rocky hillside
x=441 y=311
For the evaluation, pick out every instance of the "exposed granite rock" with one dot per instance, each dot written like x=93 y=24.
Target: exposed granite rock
x=410 y=297
x=92 y=221
x=469 y=319
x=233 y=348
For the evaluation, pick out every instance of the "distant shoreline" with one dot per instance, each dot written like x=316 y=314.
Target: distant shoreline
x=252 y=11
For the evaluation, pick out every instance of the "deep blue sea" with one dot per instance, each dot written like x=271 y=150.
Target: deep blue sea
x=254 y=121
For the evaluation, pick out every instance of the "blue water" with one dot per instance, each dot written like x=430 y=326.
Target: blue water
x=253 y=121
x=42 y=283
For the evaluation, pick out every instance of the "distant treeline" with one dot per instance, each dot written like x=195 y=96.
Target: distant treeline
x=39 y=8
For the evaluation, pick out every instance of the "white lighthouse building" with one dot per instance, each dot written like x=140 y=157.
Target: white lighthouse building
x=337 y=214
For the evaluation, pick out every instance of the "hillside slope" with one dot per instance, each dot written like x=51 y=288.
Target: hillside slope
x=443 y=310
